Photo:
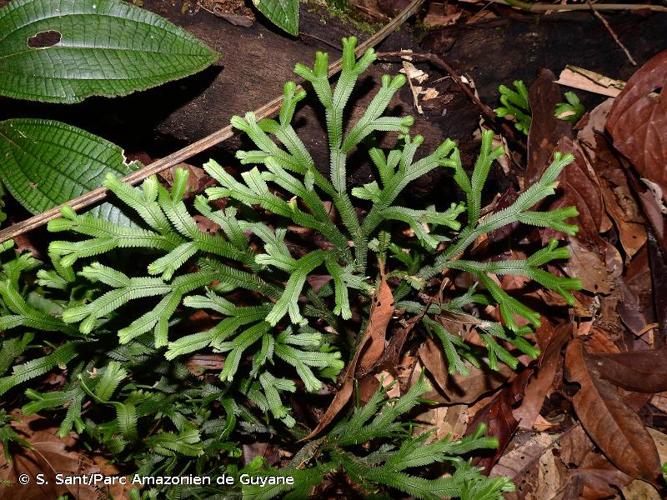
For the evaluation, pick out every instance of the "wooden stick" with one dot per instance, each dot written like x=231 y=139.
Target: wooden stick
x=269 y=109
x=544 y=7
x=613 y=34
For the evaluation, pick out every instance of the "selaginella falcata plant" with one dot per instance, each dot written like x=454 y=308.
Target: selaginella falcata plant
x=277 y=224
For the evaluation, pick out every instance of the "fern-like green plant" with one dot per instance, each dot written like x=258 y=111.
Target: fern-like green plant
x=515 y=105
x=571 y=110
x=111 y=312
x=252 y=258
x=375 y=448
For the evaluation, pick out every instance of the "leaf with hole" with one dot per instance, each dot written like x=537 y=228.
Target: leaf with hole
x=282 y=13
x=65 y=51
x=45 y=163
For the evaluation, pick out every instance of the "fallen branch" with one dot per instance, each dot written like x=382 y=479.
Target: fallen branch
x=544 y=7
x=613 y=34
x=269 y=109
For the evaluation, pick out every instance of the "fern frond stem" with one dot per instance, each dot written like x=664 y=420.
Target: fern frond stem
x=350 y=220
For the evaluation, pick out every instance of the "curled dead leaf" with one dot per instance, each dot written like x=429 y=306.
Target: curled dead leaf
x=641 y=371
x=539 y=385
x=382 y=310
x=611 y=424
x=368 y=354
x=638 y=120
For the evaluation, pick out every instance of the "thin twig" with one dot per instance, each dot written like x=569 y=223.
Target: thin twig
x=544 y=7
x=322 y=41
x=269 y=109
x=441 y=64
x=613 y=34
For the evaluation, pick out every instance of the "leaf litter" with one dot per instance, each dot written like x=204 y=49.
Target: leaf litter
x=599 y=383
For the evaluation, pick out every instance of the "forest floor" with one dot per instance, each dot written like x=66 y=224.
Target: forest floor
x=586 y=418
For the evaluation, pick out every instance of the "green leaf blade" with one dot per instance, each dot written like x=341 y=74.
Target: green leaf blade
x=282 y=13
x=45 y=163
x=93 y=48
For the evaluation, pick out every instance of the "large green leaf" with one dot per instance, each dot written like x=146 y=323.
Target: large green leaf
x=67 y=50
x=282 y=13
x=44 y=163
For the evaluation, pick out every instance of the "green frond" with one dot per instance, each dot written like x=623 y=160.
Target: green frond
x=282 y=237
x=238 y=346
x=187 y=443
x=111 y=377
x=289 y=300
x=23 y=314
x=12 y=348
x=36 y=367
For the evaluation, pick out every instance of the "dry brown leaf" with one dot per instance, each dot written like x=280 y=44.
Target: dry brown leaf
x=433 y=359
x=590 y=267
x=457 y=388
x=539 y=385
x=198 y=364
x=619 y=201
x=599 y=342
x=497 y=415
x=583 y=79
x=640 y=490
x=52 y=455
x=545 y=130
x=394 y=350
x=198 y=179
x=636 y=307
x=621 y=208
x=599 y=477
x=382 y=310
x=441 y=14
x=640 y=371
x=594 y=474
x=611 y=424
x=660 y=402
x=660 y=440
x=592 y=125
x=657 y=251
x=581 y=188
x=445 y=420
x=500 y=422
x=543 y=476
x=517 y=461
x=368 y=353
x=638 y=121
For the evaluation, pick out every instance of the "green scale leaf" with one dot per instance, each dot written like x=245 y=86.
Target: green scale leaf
x=44 y=163
x=65 y=51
